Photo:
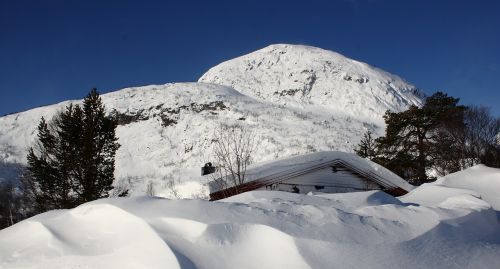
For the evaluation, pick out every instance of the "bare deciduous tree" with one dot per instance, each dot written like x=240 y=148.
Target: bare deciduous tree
x=480 y=136
x=232 y=153
x=14 y=205
x=150 y=189
x=172 y=187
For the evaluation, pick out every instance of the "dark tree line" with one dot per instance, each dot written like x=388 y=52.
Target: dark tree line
x=438 y=138
x=11 y=204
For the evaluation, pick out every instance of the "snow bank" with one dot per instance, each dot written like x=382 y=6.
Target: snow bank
x=91 y=236
x=265 y=229
x=479 y=181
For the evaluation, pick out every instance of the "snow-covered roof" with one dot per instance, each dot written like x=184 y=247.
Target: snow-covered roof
x=294 y=165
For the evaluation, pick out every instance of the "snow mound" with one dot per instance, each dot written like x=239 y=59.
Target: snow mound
x=265 y=229
x=478 y=181
x=89 y=236
x=303 y=75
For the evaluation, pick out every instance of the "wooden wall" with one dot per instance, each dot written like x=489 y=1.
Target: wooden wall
x=329 y=180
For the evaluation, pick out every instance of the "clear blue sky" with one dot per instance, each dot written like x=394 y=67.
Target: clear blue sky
x=52 y=51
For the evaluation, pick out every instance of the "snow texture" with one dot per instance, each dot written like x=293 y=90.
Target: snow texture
x=479 y=181
x=267 y=229
x=296 y=99
x=303 y=75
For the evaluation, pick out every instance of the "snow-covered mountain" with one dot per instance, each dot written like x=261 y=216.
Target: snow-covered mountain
x=302 y=75
x=296 y=99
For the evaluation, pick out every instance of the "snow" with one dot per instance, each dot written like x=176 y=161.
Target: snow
x=335 y=109
x=267 y=229
x=479 y=181
x=297 y=163
x=297 y=75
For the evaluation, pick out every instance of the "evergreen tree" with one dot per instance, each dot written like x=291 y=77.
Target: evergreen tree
x=418 y=138
x=98 y=149
x=52 y=191
x=73 y=160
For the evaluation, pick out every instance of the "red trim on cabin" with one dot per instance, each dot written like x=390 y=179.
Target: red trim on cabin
x=396 y=192
x=254 y=185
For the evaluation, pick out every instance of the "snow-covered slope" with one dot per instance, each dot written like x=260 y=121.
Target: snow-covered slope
x=302 y=75
x=263 y=229
x=166 y=130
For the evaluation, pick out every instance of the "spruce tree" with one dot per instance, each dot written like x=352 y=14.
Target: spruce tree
x=98 y=148
x=73 y=160
x=52 y=186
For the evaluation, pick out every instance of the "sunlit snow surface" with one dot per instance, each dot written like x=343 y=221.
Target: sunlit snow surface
x=301 y=76
x=447 y=227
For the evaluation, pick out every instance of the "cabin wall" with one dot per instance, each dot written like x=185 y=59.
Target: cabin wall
x=327 y=180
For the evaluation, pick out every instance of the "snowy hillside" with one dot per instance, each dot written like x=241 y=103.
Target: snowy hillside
x=265 y=229
x=302 y=75
x=166 y=130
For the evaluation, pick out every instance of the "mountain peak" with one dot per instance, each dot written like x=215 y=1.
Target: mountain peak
x=297 y=48
x=299 y=75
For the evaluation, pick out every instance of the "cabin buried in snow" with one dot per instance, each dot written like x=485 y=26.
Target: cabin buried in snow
x=326 y=172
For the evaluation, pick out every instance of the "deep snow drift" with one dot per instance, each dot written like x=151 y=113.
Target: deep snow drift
x=479 y=181
x=297 y=99
x=264 y=229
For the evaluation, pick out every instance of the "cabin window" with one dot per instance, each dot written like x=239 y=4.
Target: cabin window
x=271 y=187
x=317 y=187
